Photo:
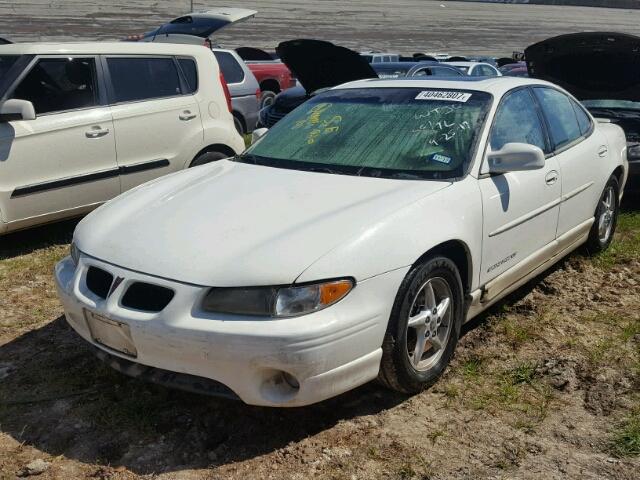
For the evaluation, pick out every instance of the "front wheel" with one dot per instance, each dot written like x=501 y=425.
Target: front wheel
x=606 y=218
x=424 y=327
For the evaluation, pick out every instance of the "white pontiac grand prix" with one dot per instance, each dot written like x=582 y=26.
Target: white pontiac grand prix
x=349 y=243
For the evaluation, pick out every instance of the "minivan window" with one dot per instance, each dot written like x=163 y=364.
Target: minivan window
x=60 y=84
x=560 y=116
x=230 y=67
x=137 y=78
x=190 y=72
x=517 y=121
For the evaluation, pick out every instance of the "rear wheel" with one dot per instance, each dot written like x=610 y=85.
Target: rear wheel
x=424 y=326
x=208 y=157
x=606 y=218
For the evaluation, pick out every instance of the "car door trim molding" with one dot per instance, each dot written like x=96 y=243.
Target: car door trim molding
x=526 y=217
x=539 y=211
x=88 y=177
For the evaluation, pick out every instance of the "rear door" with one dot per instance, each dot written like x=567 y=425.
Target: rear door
x=156 y=117
x=520 y=208
x=580 y=150
x=65 y=159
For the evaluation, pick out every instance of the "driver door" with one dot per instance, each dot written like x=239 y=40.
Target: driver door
x=520 y=208
x=65 y=159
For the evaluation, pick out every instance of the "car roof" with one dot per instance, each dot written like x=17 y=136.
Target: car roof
x=97 y=48
x=466 y=64
x=497 y=86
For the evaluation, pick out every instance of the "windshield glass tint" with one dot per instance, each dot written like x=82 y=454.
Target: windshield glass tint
x=6 y=62
x=384 y=132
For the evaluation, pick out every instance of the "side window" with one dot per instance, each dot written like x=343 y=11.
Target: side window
x=517 y=121
x=559 y=113
x=59 y=84
x=584 y=122
x=190 y=72
x=422 y=72
x=138 y=78
x=487 y=71
x=230 y=67
x=477 y=72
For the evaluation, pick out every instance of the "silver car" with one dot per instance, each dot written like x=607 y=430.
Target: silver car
x=243 y=87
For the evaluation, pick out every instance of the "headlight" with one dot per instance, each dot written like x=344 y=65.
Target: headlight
x=74 y=253
x=290 y=301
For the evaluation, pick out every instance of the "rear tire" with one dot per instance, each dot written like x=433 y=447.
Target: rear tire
x=417 y=350
x=208 y=157
x=606 y=218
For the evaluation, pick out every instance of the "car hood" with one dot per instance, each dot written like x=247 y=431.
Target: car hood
x=318 y=64
x=597 y=65
x=200 y=25
x=235 y=224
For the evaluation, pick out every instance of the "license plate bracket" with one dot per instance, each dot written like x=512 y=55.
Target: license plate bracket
x=110 y=333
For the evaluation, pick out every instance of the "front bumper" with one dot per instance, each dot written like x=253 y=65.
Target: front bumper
x=327 y=352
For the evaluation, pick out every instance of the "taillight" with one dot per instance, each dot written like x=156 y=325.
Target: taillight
x=258 y=94
x=225 y=89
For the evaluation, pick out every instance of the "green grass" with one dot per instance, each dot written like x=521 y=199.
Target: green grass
x=626 y=246
x=626 y=438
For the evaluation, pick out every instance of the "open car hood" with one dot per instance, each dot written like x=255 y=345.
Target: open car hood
x=199 y=25
x=318 y=64
x=592 y=66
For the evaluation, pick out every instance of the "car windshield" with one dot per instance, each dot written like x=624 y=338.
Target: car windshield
x=6 y=62
x=410 y=133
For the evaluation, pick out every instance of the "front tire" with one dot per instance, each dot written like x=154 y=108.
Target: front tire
x=267 y=98
x=606 y=218
x=424 y=326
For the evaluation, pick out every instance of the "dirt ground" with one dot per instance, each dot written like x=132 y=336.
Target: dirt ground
x=403 y=25
x=546 y=385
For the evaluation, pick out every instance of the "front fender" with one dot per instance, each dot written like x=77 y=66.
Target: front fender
x=400 y=239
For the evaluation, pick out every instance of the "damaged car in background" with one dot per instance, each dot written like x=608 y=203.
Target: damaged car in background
x=349 y=243
x=602 y=70
x=317 y=65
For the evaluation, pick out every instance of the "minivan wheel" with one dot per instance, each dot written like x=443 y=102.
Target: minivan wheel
x=606 y=218
x=208 y=157
x=424 y=327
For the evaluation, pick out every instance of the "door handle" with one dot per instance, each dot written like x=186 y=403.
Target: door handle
x=187 y=115
x=603 y=150
x=96 y=132
x=551 y=178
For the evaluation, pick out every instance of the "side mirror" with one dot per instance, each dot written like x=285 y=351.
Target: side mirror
x=258 y=134
x=17 y=110
x=516 y=157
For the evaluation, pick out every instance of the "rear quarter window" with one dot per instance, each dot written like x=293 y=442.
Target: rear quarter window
x=190 y=73
x=584 y=122
x=231 y=69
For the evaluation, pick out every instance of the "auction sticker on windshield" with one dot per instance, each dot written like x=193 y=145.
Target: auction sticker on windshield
x=444 y=96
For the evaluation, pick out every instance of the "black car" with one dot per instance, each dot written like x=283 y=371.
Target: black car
x=317 y=65
x=602 y=70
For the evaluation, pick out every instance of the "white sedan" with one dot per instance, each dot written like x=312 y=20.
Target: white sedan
x=349 y=243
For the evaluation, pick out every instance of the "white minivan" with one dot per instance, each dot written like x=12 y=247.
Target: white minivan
x=82 y=122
